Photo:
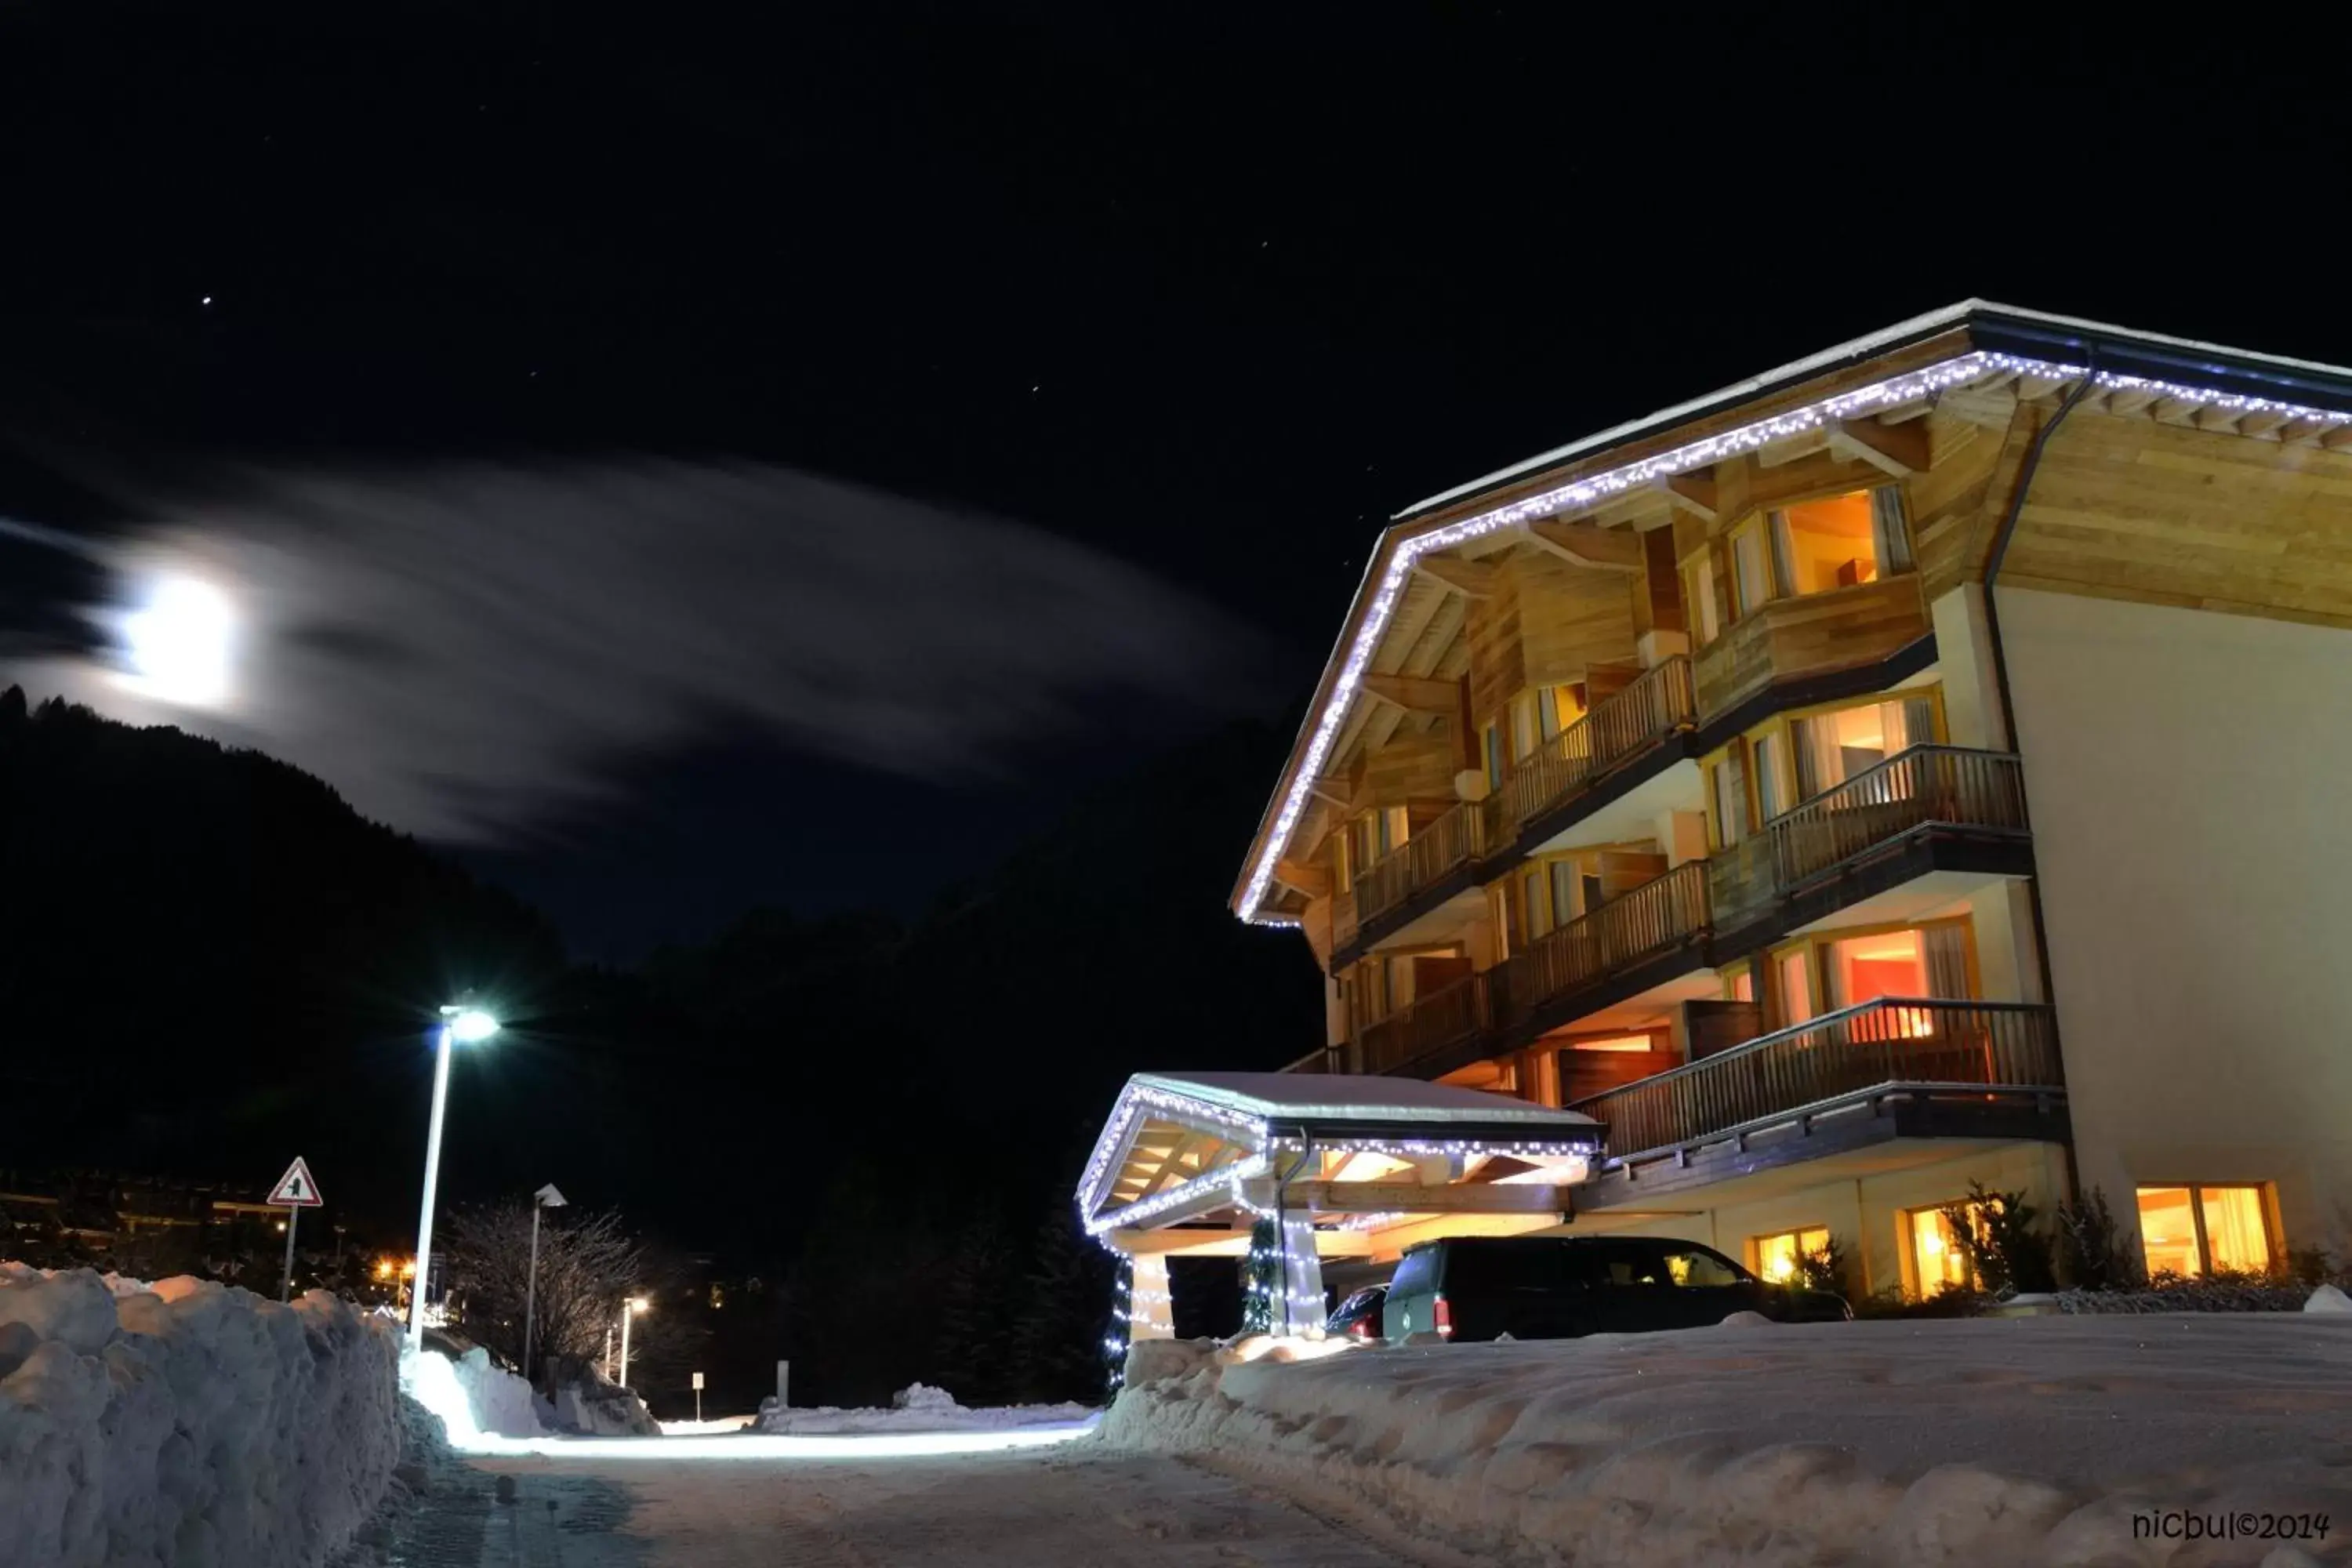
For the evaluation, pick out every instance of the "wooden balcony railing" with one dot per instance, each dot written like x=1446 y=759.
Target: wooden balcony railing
x=1787 y=639
x=1446 y=1016
x=1949 y=785
x=1662 y=913
x=1893 y=1040
x=1656 y=705
x=1438 y=848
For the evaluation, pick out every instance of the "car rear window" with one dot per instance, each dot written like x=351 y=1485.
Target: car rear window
x=1515 y=1266
x=1416 y=1272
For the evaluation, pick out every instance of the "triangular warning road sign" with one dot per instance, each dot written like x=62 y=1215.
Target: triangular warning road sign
x=295 y=1189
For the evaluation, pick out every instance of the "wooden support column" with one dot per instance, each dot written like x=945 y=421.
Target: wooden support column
x=1151 y=1305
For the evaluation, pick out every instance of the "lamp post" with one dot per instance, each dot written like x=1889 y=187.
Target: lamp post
x=636 y=1304
x=465 y=1025
x=547 y=1197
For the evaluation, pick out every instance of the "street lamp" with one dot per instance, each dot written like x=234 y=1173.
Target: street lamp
x=547 y=1197
x=459 y=1025
x=636 y=1304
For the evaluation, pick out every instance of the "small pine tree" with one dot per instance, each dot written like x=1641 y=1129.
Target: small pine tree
x=1262 y=1277
x=1994 y=1231
x=1057 y=1344
x=2093 y=1246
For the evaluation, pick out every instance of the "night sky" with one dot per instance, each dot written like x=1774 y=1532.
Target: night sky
x=655 y=447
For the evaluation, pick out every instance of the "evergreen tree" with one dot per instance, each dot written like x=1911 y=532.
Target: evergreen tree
x=1262 y=1277
x=1057 y=1344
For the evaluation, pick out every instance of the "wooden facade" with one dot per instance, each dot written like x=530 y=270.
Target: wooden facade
x=1841 y=759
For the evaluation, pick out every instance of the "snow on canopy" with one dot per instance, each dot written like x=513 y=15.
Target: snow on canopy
x=1294 y=1096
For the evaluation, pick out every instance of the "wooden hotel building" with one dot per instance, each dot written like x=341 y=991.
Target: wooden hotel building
x=1922 y=765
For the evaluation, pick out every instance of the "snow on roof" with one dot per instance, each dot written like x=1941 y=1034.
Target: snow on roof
x=1859 y=348
x=1293 y=1096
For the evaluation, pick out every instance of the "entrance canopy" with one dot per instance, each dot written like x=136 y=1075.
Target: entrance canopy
x=1363 y=1165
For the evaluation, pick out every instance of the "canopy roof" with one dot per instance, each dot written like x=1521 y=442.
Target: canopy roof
x=1179 y=1145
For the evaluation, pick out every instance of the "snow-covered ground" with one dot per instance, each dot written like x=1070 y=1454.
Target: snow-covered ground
x=185 y=1423
x=2026 y=1440
x=715 y=1426
x=917 y=1409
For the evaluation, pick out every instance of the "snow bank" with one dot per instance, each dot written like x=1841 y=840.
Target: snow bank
x=2002 y=1440
x=185 y=1423
x=499 y=1400
x=916 y=1408
x=592 y=1407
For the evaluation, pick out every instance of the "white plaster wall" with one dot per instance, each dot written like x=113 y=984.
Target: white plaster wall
x=2189 y=778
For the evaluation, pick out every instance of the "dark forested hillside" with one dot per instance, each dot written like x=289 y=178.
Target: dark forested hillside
x=208 y=963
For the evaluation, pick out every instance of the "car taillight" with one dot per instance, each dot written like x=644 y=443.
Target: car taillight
x=1359 y=1330
x=1443 y=1316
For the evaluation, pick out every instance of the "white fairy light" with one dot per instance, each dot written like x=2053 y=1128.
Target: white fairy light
x=1583 y=494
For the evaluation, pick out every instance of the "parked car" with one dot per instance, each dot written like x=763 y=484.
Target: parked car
x=1358 y=1317
x=1558 y=1286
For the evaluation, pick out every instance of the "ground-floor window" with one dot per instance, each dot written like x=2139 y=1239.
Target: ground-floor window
x=2197 y=1230
x=1781 y=1257
x=1939 y=1262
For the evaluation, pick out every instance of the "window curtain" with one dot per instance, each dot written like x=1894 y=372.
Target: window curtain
x=1784 y=565
x=1819 y=764
x=1947 y=948
x=1892 y=539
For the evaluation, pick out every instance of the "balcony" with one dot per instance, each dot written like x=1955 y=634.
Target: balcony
x=1662 y=915
x=1620 y=728
x=1449 y=1016
x=1444 y=857
x=1811 y=635
x=1975 y=1052
x=1929 y=808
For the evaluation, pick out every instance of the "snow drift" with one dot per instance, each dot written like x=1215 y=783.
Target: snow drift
x=187 y=1423
x=2006 y=1440
x=919 y=1407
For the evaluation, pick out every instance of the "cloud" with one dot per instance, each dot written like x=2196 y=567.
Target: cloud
x=467 y=652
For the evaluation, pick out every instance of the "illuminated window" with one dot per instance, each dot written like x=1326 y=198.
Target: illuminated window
x=1740 y=983
x=2196 y=1230
x=1523 y=725
x=1778 y=1257
x=1751 y=576
x=1730 y=799
x=1795 y=972
x=1538 y=917
x=1830 y=748
x=1564 y=907
x=1558 y=707
x=1493 y=747
x=1823 y=545
x=1767 y=750
x=1615 y=1043
x=1937 y=1261
x=1698 y=592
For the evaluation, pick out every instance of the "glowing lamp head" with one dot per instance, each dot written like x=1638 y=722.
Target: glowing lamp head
x=469 y=1025
x=636 y=1304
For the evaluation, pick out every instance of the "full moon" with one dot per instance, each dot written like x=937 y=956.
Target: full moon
x=177 y=643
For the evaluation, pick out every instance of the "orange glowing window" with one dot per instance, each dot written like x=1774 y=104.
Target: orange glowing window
x=1937 y=1261
x=1780 y=1258
x=2197 y=1230
x=1619 y=1043
x=1827 y=545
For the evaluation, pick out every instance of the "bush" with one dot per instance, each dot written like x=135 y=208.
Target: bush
x=1995 y=1232
x=2093 y=1248
x=1952 y=1301
x=1828 y=1268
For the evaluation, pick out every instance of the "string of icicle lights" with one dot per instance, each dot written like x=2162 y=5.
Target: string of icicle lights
x=1586 y=493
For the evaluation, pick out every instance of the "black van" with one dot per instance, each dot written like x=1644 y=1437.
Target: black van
x=1558 y=1286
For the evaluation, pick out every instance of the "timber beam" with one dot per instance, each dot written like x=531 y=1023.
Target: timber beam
x=1411 y=1197
x=1897 y=450
x=1416 y=694
x=1472 y=579
x=1588 y=545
